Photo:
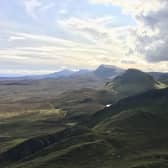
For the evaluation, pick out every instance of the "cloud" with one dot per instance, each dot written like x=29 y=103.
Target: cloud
x=102 y=33
x=16 y=38
x=92 y=29
x=156 y=49
x=35 y=50
x=79 y=41
x=31 y=7
x=34 y=7
x=95 y=30
x=150 y=34
x=133 y=7
x=101 y=43
x=63 y=11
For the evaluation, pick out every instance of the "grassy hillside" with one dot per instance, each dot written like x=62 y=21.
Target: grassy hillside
x=132 y=82
x=25 y=126
x=162 y=77
x=130 y=134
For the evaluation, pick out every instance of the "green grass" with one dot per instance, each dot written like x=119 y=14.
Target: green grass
x=15 y=130
x=130 y=134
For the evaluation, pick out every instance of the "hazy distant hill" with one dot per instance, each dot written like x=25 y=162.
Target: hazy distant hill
x=63 y=73
x=108 y=71
x=103 y=71
x=55 y=75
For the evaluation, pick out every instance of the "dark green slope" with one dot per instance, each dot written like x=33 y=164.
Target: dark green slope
x=133 y=133
x=132 y=82
x=154 y=101
x=82 y=102
x=164 y=78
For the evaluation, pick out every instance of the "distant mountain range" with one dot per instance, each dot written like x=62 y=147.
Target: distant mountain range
x=108 y=71
x=103 y=71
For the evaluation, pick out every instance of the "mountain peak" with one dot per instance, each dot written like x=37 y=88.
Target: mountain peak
x=133 y=81
x=108 y=71
x=135 y=75
x=134 y=70
x=107 y=66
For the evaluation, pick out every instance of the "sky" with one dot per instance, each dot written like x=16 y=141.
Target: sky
x=43 y=36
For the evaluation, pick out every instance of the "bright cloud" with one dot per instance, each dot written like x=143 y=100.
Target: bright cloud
x=151 y=36
x=46 y=35
x=134 y=7
x=33 y=7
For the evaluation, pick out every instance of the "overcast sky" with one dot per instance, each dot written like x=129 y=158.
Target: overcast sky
x=42 y=36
